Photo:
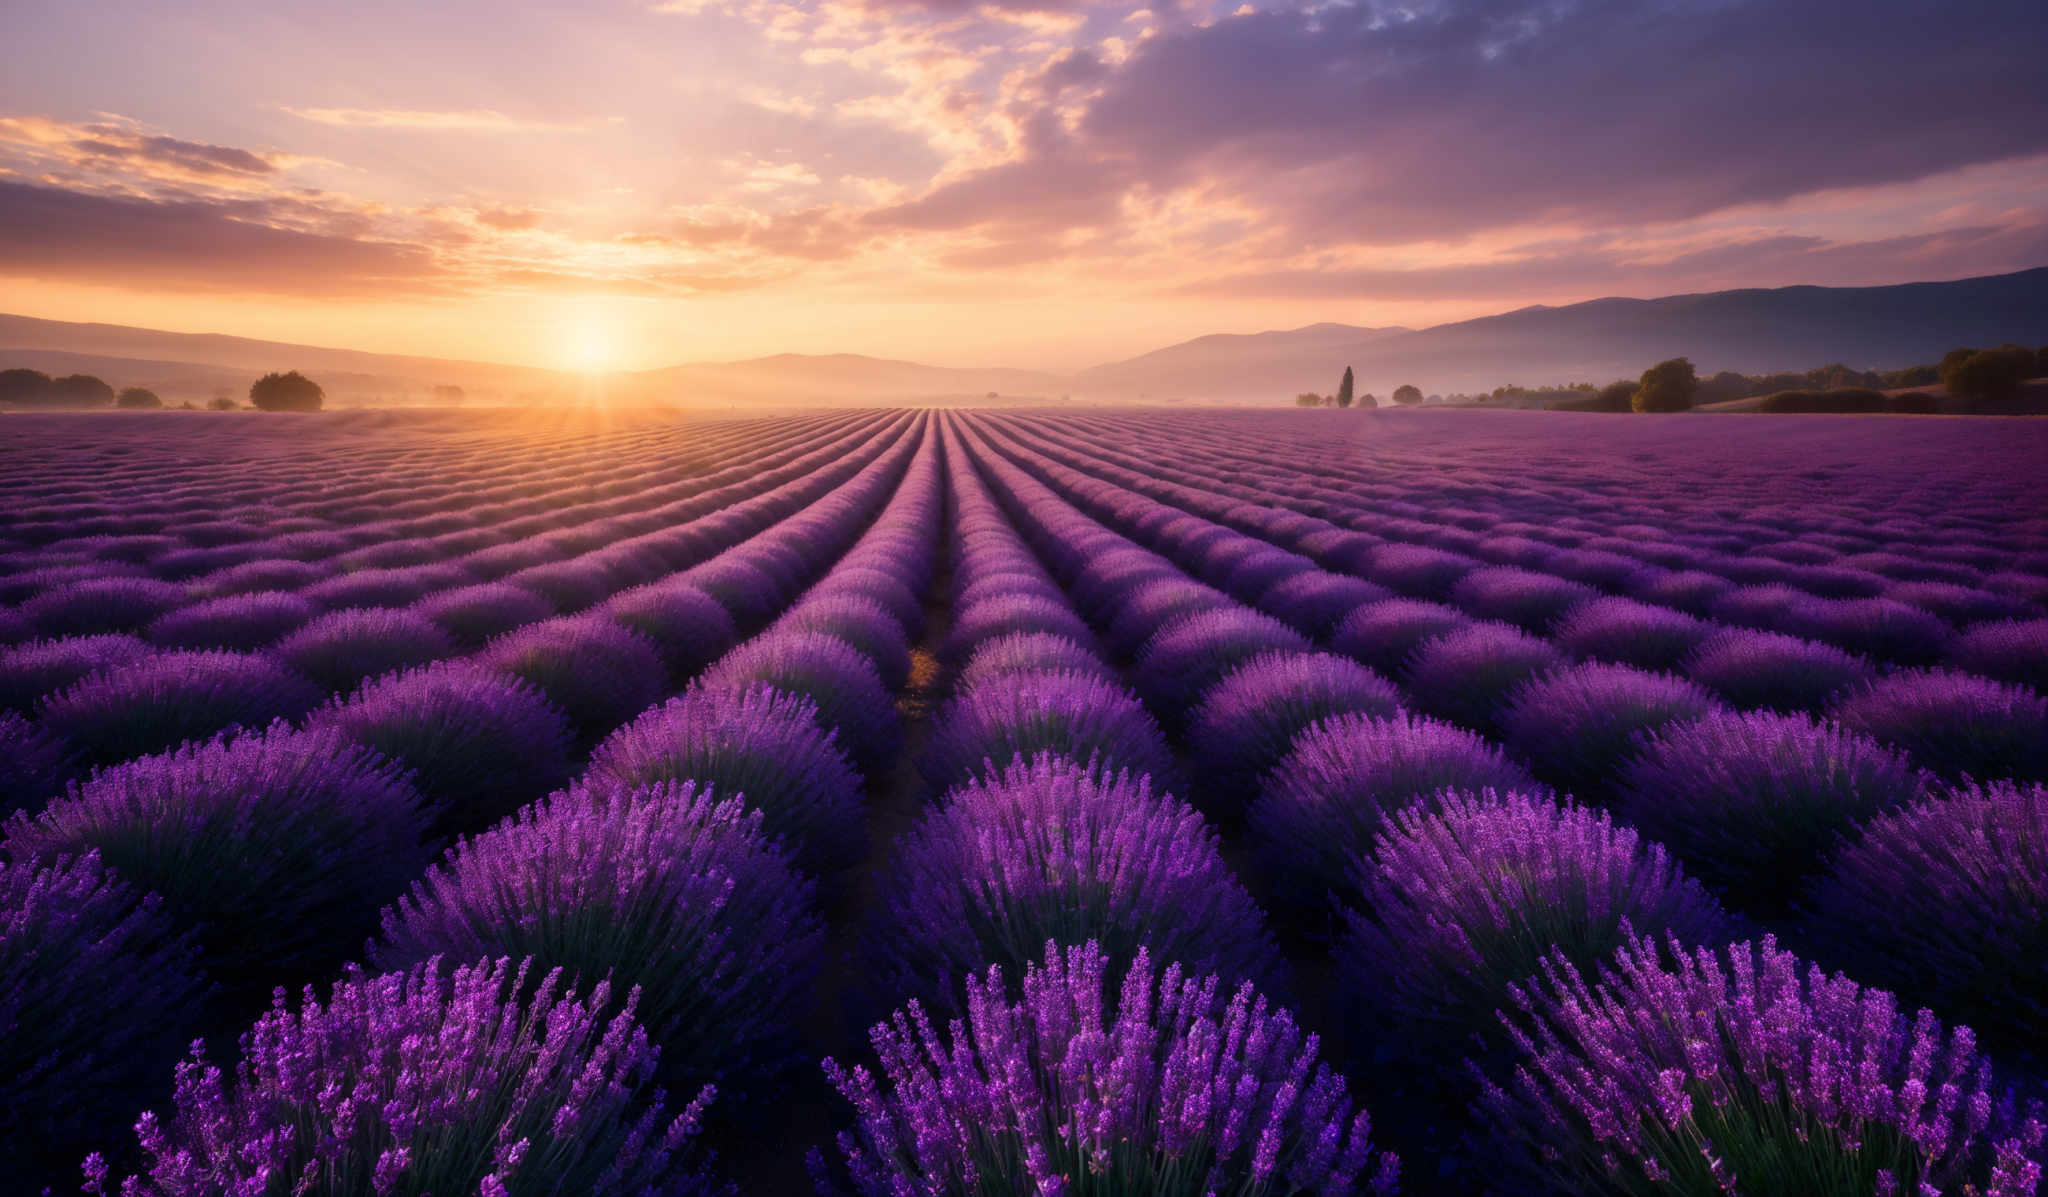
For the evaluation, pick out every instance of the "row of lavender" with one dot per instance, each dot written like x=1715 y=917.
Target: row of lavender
x=266 y=849
x=1455 y=902
x=649 y=871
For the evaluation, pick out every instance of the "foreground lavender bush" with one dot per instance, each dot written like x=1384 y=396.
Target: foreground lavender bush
x=1742 y=1070
x=474 y=614
x=428 y=1083
x=479 y=744
x=1247 y=722
x=757 y=744
x=1027 y=652
x=665 y=889
x=1075 y=714
x=30 y=671
x=1385 y=634
x=163 y=701
x=1466 y=674
x=97 y=995
x=1947 y=902
x=861 y=622
x=1773 y=671
x=1579 y=725
x=1184 y=658
x=241 y=621
x=2011 y=650
x=277 y=847
x=1176 y=1092
x=1322 y=806
x=1633 y=633
x=1054 y=849
x=1955 y=724
x=1754 y=802
x=1463 y=902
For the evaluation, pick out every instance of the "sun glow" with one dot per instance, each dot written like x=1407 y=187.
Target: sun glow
x=586 y=337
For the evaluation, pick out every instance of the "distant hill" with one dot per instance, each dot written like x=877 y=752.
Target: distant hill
x=1752 y=331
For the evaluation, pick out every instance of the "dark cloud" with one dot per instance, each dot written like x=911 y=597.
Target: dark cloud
x=1382 y=124
x=48 y=232
x=109 y=145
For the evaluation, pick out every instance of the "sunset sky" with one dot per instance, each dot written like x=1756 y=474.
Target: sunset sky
x=1044 y=183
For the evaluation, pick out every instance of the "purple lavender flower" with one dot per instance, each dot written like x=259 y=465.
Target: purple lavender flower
x=162 y=701
x=1529 y=600
x=1773 y=671
x=1962 y=605
x=97 y=605
x=687 y=626
x=1247 y=722
x=1070 y=713
x=475 y=614
x=1578 y=726
x=1184 y=658
x=14 y=627
x=594 y=671
x=666 y=889
x=33 y=763
x=2008 y=651
x=1882 y=629
x=478 y=744
x=387 y=587
x=828 y=671
x=1947 y=902
x=743 y=587
x=757 y=744
x=244 y=622
x=97 y=994
x=1322 y=806
x=896 y=595
x=862 y=623
x=568 y=586
x=1690 y=590
x=1631 y=633
x=1315 y=602
x=1150 y=606
x=40 y=667
x=277 y=847
x=340 y=649
x=1054 y=849
x=481 y=1080
x=1754 y=802
x=1465 y=675
x=1001 y=615
x=1741 y=1069
x=1176 y=1092
x=1383 y=635
x=1955 y=724
x=1020 y=652
x=1418 y=570
x=1463 y=900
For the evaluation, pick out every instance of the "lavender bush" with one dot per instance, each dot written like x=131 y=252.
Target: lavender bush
x=831 y=673
x=1465 y=675
x=1027 y=652
x=429 y=1082
x=1955 y=724
x=1385 y=634
x=159 y=702
x=1247 y=722
x=1742 y=1069
x=340 y=649
x=1071 y=713
x=594 y=671
x=1772 y=671
x=1578 y=726
x=1176 y=1092
x=244 y=622
x=2011 y=650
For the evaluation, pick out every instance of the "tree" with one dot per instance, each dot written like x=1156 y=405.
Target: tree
x=1407 y=394
x=24 y=386
x=1344 y=389
x=1368 y=400
x=138 y=399
x=1666 y=386
x=448 y=393
x=1987 y=373
x=286 y=392
x=221 y=403
x=1308 y=399
x=80 y=390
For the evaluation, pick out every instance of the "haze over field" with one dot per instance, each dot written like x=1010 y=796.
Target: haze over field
x=1041 y=184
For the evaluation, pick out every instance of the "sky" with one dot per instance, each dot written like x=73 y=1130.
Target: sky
x=621 y=184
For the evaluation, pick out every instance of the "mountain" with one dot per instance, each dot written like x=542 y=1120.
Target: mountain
x=1752 y=331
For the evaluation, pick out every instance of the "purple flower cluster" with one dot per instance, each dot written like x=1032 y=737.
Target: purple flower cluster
x=97 y=994
x=2011 y=650
x=594 y=671
x=1577 y=727
x=244 y=622
x=478 y=744
x=756 y=744
x=1947 y=901
x=1955 y=724
x=1462 y=902
x=40 y=667
x=340 y=649
x=1322 y=806
x=830 y=672
x=480 y=1080
x=1176 y=1092
x=1247 y=722
x=1187 y=656
x=1072 y=713
x=277 y=847
x=1027 y=652
x=1051 y=849
x=667 y=889
x=1772 y=671
x=33 y=764
x=1754 y=802
x=475 y=614
x=159 y=702
x=1743 y=1070
x=1385 y=634
x=1466 y=674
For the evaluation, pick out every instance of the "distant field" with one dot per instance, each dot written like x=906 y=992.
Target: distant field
x=789 y=721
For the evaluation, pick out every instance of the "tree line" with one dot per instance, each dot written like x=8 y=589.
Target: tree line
x=289 y=391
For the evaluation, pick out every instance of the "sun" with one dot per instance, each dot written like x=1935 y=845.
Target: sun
x=586 y=338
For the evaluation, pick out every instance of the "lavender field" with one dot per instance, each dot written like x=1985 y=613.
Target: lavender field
x=1096 y=802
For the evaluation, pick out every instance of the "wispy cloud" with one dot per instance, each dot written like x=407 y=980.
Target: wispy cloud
x=473 y=120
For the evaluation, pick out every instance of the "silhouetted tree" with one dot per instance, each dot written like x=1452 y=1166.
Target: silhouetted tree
x=221 y=403
x=138 y=399
x=286 y=392
x=1666 y=386
x=1308 y=399
x=23 y=386
x=1987 y=373
x=1368 y=400
x=1407 y=394
x=1344 y=389
x=72 y=390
